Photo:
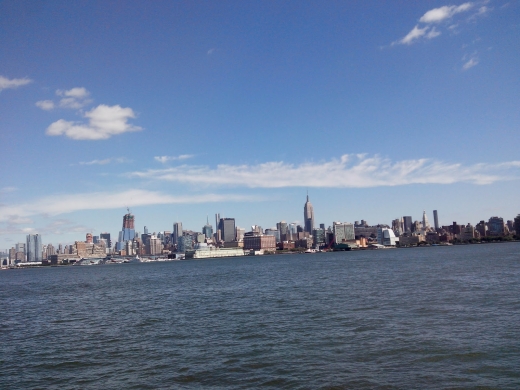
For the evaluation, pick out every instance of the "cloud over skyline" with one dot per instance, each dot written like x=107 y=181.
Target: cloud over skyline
x=63 y=204
x=349 y=171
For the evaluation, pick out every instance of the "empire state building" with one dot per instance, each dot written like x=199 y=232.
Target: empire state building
x=308 y=215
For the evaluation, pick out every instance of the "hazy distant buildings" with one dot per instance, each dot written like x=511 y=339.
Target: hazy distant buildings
x=435 y=220
x=106 y=237
x=308 y=216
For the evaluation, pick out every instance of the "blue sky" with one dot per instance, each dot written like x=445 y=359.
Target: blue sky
x=179 y=110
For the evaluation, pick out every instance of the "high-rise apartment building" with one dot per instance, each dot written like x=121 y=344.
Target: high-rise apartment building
x=308 y=216
x=283 y=228
x=496 y=226
x=34 y=248
x=88 y=238
x=318 y=236
x=343 y=232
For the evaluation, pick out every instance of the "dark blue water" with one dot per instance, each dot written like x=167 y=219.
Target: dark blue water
x=440 y=317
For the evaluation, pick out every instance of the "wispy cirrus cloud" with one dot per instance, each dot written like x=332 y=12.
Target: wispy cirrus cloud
x=58 y=227
x=470 y=63
x=63 y=204
x=427 y=27
x=104 y=122
x=349 y=171
x=165 y=159
x=105 y=161
x=6 y=83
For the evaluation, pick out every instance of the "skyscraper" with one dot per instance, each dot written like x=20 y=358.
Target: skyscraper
x=435 y=220
x=207 y=229
x=425 y=222
x=103 y=236
x=407 y=224
x=34 y=248
x=227 y=227
x=177 y=231
x=308 y=216
x=127 y=233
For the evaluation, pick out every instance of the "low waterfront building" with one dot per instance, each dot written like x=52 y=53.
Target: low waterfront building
x=432 y=238
x=206 y=252
x=260 y=242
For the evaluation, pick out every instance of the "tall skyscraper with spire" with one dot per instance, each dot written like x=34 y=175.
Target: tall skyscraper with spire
x=425 y=223
x=308 y=216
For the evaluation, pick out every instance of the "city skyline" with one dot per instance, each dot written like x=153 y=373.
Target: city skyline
x=227 y=230
x=182 y=110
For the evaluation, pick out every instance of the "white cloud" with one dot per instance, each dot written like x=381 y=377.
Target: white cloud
x=62 y=204
x=105 y=161
x=350 y=171
x=74 y=98
x=211 y=51
x=46 y=105
x=440 y=14
x=433 y=33
x=436 y=16
x=6 y=83
x=77 y=92
x=412 y=36
x=470 y=64
x=104 y=122
x=165 y=159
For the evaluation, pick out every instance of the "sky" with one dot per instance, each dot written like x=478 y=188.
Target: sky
x=182 y=109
